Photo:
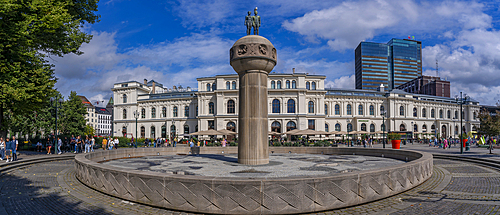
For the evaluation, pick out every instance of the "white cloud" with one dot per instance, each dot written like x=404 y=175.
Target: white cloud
x=344 y=82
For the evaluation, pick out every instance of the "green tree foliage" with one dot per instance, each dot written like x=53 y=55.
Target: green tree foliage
x=490 y=125
x=73 y=116
x=89 y=131
x=30 y=31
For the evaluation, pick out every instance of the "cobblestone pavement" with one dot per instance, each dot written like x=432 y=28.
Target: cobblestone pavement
x=51 y=188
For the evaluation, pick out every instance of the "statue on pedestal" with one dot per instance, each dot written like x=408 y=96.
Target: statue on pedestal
x=249 y=22
x=256 y=22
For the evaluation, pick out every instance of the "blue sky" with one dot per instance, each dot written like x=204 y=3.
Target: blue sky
x=176 y=41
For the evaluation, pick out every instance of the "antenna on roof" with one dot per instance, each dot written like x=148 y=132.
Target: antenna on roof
x=437 y=68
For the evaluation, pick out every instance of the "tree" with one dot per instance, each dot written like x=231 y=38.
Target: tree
x=30 y=31
x=89 y=131
x=490 y=125
x=73 y=116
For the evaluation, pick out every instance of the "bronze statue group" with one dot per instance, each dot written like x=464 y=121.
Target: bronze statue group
x=252 y=21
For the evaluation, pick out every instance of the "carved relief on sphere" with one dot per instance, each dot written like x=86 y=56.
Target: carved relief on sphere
x=273 y=53
x=242 y=49
x=263 y=49
x=231 y=53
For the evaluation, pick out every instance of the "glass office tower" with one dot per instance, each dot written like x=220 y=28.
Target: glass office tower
x=391 y=64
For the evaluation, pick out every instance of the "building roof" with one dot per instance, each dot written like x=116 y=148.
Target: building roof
x=110 y=102
x=101 y=110
x=86 y=102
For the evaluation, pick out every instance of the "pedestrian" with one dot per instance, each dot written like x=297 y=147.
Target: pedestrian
x=87 y=144
x=72 y=142
x=8 y=150
x=224 y=142
x=111 y=143
x=77 y=143
x=445 y=143
x=116 y=142
x=59 y=144
x=92 y=144
x=48 y=146
x=2 y=149
x=175 y=142
x=104 y=143
x=14 y=148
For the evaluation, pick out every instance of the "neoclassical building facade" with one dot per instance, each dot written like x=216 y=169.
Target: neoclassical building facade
x=295 y=101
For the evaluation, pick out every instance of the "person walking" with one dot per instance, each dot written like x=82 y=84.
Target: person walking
x=104 y=143
x=2 y=149
x=111 y=143
x=92 y=144
x=175 y=142
x=14 y=148
x=8 y=150
x=87 y=144
x=48 y=146
x=116 y=142
x=59 y=144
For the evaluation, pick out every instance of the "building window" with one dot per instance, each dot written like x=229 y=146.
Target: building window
x=382 y=108
x=402 y=127
x=349 y=109
x=208 y=87
x=448 y=114
x=164 y=112
x=287 y=84
x=372 y=110
x=310 y=107
x=326 y=128
x=456 y=114
x=124 y=114
x=231 y=126
x=211 y=109
x=475 y=114
x=173 y=130
x=360 y=110
x=349 y=127
x=143 y=132
x=276 y=106
x=326 y=109
x=143 y=113
x=382 y=127
x=313 y=85
x=175 y=111
x=308 y=85
x=273 y=85
x=424 y=128
x=310 y=124
x=234 y=85
x=228 y=85
x=186 y=129
x=153 y=132
x=456 y=130
x=291 y=106
x=163 y=131
x=414 y=112
x=372 y=128
x=153 y=112
x=441 y=114
x=196 y=110
x=124 y=98
x=214 y=86
x=186 y=111
x=294 y=84
x=211 y=124
x=290 y=126
x=278 y=85
x=337 y=109
x=401 y=111
x=432 y=113
x=337 y=127
x=363 y=127
x=124 y=131
x=276 y=127
x=415 y=128
x=230 y=106
x=424 y=112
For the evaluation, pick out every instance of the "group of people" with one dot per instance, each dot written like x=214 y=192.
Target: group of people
x=8 y=149
x=109 y=143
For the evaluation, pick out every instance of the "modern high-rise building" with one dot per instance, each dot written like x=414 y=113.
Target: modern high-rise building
x=390 y=64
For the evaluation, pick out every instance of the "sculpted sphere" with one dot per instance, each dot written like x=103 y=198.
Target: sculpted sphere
x=253 y=52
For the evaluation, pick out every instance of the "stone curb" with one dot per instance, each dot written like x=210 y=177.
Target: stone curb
x=39 y=159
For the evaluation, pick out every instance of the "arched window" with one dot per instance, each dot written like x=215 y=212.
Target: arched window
x=441 y=114
x=432 y=113
x=288 y=84
x=363 y=127
x=414 y=112
x=349 y=127
x=382 y=127
x=326 y=109
x=401 y=111
x=124 y=131
x=273 y=85
x=313 y=85
x=294 y=84
x=234 y=85
x=208 y=87
x=196 y=110
x=475 y=114
x=360 y=110
x=415 y=128
x=290 y=126
x=186 y=129
x=290 y=106
x=337 y=109
x=278 y=85
x=424 y=128
x=228 y=85
x=186 y=111
x=276 y=106
x=372 y=110
x=372 y=128
x=175 y=111
x=153 y=132
x=230 y=106
x=164 y=112
x=163 y=131
x=211 y=109
x=124 y=114
x=424 y=112
x=349 y=110
x=382 y=108
x=143 y=113
x=326 y=128
x=456 y=130
x=231 y=126
x=214 y=86
x=402 y=127
x=143 y=132
x=448 y=114
x=276 y=127
x=456 y=114
x=124 y=98
x=310 y=107
x=337 y=127
x=153 y=112
x=308 y=85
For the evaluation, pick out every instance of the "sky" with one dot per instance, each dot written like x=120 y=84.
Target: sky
x=176 y=41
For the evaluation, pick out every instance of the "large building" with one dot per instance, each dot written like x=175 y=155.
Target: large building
x=295 y=101
x=104 y=118
x=390 y=64
x=427 y=85
x=91 y=116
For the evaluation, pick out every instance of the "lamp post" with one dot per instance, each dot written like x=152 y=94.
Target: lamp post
x=173 y=133
x=461 y=101
x=56 y=104
x=136 y=116
x=383 y=127
x=348 y=140
x=412 y=130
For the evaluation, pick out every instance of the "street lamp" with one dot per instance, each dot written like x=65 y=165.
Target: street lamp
x=383 y=127
x=173 y=133
x=461 y=101
x=348 y=140
x=136 y=116
x=412 y=130
x=56 y=104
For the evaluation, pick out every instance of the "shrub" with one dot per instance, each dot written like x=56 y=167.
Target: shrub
x=394 y=136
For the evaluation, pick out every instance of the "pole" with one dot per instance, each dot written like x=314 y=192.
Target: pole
x=461 y=130
x=56 y=142
x=136 y=131
x=383 y=131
